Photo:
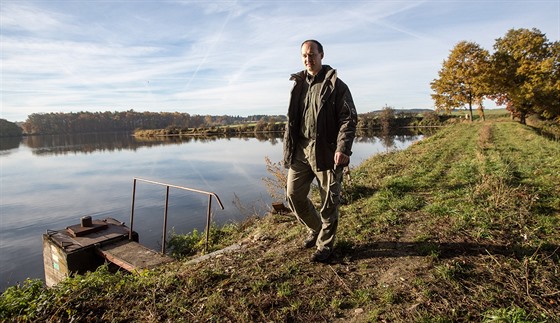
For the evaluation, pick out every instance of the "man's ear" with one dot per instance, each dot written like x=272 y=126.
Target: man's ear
x=322 y=55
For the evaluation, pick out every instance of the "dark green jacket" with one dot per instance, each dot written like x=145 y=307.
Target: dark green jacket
x=336 y=120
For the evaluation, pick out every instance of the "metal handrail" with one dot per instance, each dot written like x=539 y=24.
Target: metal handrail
x=208 y=214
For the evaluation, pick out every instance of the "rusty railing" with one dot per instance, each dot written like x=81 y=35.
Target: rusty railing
x=208 y=214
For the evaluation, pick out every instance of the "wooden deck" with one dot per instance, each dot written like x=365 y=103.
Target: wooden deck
x=132 y=256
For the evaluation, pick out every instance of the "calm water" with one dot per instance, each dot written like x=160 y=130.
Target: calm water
x=50 y=182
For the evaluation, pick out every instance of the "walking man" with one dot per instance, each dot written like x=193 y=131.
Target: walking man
x=317 y=145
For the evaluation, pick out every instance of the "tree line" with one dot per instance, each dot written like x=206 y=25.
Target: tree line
x=84 y=122
x=386 y=120
x=166 y=123
x=523 y=74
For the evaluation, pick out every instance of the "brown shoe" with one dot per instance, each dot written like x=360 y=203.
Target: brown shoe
x=322 y=255
x=309 y=242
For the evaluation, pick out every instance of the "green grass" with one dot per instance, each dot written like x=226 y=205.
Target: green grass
x=460 y=227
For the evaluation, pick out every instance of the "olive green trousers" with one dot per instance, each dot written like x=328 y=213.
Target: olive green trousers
x=322 y=222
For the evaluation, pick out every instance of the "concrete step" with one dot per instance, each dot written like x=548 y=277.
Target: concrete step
x=132 y=256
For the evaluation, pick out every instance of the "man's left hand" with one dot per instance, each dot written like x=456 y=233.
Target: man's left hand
x=341 y=159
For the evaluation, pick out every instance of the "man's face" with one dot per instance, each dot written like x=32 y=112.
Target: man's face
x=311 y=58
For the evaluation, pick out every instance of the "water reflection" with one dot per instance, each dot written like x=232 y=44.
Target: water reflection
x=8 y=143
x=396 y=139
x=110 y=142
x=118 y=141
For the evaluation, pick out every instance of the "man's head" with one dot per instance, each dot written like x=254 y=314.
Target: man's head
x=312 y=55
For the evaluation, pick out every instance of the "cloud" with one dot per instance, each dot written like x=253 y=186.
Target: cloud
x=235 y=57
x=22 y=17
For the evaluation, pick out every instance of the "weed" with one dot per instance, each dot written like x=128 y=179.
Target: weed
x=293 y=268
x=362 y=297
x=408 y=202
x=185 y=245
x=276 y=183
x=295 y=305
x=23 y=300
x=258 y=285
x=450 y=271
x=513 y=315
x=336 y=303
x=389 y=296
x=182 y=245
x=430 y=249
x=284 y=289
x=344 y=245
x=438 y=208
x=422 y=237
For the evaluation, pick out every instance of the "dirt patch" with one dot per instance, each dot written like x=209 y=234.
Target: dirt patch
x=402 y=272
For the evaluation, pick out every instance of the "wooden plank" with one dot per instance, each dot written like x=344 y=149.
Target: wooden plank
x=132 y=256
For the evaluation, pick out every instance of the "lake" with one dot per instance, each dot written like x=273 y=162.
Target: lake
x=51 y=182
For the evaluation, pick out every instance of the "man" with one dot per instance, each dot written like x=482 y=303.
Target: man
x=317 y=145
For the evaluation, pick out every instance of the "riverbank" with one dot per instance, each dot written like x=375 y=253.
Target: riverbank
x=230 y=130
x=462 y=226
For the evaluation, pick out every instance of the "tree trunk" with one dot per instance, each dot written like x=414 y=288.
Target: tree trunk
x=481 y=113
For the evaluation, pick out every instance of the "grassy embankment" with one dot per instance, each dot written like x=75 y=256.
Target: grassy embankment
x=230 y=130
x=460 y=227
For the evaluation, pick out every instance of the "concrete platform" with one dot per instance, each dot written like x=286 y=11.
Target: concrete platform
x=132 y=256
x=84 y=247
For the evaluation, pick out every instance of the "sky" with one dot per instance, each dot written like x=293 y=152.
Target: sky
x=235 y=57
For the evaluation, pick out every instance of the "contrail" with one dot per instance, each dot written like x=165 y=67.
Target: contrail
x=203 y=61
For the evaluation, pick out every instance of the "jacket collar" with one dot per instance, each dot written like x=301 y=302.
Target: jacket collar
x=330 y=75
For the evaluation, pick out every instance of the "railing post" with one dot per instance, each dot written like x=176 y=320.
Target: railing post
x=208 y=216
x=165 y=221
x=132 y=210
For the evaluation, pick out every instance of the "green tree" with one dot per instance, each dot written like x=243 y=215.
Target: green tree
x=387 y=118
x=9 y=129
x=550 y=108
x=261 y=125
x=525 y=74
x=463 y=78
